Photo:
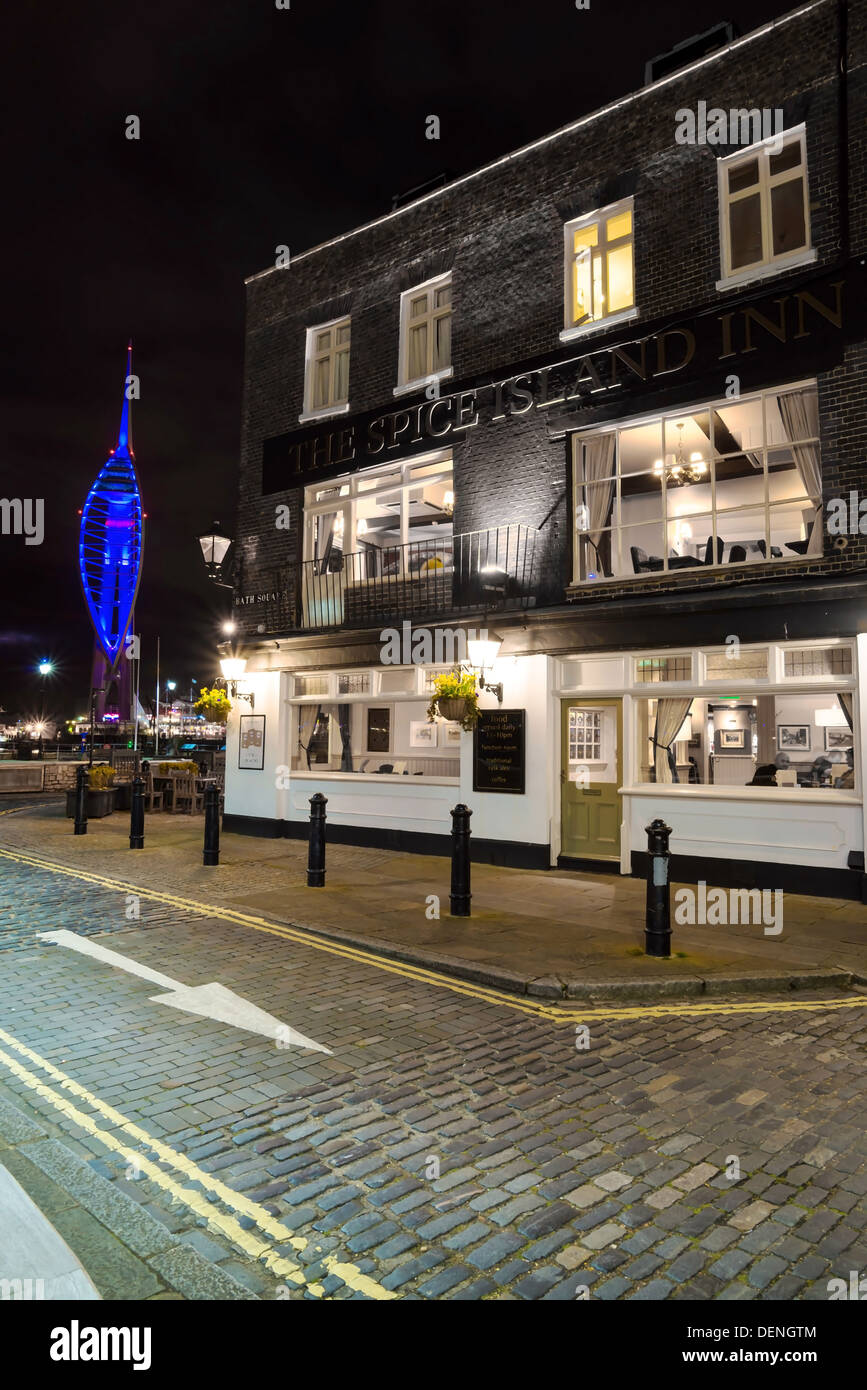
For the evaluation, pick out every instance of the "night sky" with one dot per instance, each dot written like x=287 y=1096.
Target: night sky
x=259 y=127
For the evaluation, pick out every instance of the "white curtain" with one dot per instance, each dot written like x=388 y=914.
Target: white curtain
x=307 y=717
x=417 y=356
x=848 y=707
x=598 y=467
x=670 y=714
x=800 y=415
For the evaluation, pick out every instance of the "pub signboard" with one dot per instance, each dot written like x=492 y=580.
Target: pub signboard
x=499 y=751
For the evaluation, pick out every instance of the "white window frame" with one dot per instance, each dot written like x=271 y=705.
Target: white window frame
x=770 y=264
x=596 y=742
x=572 y=330
x=346 y=504
x=405 y=384
x=311 y=357
x=668 y=414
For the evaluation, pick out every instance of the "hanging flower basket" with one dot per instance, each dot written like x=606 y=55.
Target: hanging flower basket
x=214 y=704
x=455 y=698
x=454 y=708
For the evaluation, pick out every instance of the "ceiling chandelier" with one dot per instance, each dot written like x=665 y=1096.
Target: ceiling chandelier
x=679 y=470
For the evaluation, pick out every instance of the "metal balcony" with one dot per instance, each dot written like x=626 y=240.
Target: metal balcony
x=432 y=579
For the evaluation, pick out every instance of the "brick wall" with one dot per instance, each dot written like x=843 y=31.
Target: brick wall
x=501 y=234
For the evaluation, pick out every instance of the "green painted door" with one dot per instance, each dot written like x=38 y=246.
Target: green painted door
x=590 y=776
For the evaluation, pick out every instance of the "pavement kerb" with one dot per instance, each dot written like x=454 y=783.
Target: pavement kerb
x=548 y=988
x=566 y=991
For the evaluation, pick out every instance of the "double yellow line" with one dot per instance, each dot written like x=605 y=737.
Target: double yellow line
x=556 y=1013
x=225 y=1223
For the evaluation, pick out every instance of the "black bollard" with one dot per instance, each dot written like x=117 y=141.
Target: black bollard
x=136 y=814
x=460 y=897
x=316 y=849
x=81 y=800
x=211 y=854
x=657 y=929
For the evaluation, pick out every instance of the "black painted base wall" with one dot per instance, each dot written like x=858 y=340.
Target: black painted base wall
x=748 y=873
x=505 y=854
x=718 y=873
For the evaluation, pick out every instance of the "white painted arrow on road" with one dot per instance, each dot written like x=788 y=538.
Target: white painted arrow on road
x=210 y=1001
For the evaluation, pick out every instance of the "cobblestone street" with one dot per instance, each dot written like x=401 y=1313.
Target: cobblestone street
x=452 y=1142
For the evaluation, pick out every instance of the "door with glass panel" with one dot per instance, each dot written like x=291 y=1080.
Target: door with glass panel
x=590 y=778
x=324 y=575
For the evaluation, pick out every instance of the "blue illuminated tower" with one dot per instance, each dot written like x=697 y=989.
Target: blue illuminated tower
x=110 y=552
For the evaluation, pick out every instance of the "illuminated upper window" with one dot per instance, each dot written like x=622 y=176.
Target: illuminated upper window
x=600 y=279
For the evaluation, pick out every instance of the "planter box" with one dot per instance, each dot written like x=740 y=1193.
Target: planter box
x=122 y=796
x=99 y=804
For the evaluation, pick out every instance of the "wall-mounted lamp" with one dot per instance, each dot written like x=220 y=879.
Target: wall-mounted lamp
x=233 y=668
x=483 y=651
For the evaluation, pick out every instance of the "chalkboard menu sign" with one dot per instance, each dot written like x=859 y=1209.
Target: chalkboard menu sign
x=499 y=763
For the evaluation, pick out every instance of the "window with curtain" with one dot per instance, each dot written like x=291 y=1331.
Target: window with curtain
x=326 y=384
x=600 y=273
x=426 y=331
x=765 y=206
x=725 y=483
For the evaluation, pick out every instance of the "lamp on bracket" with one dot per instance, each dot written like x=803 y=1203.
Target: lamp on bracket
x=233 y=668
x=482 y=651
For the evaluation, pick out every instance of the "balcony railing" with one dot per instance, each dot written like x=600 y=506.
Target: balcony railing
x=491 y=569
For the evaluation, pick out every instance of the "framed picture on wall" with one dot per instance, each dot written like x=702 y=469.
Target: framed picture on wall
x=422 y=734
x=731 y=738
x=251 y=743
x=451 y=735
x=793 y=738
x=838 y=738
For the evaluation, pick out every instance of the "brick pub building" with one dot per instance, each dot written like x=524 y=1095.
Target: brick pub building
x=605 y=399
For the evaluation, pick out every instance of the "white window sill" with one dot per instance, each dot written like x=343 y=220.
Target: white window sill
x=580 y=585
x=405 y=778
x=324 y=414
x=765 y=272
x=598 y=325
x=803 y=795
x=408 y=388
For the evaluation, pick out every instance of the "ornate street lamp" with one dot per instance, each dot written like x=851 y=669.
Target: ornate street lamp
x=214 y=550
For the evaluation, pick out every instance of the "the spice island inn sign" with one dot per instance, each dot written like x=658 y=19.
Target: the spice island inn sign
x=757 y=341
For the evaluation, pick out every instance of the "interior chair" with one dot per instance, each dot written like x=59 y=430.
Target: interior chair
x=385 y=767
x=776 y=552
x=787 y=777
x=708 y=551
x=800 y=547
x=642 y=563
x=737 y=554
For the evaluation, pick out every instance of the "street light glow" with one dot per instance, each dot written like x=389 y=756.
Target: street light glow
x=46 y=668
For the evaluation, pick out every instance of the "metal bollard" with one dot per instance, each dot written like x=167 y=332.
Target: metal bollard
x=657 y=929
x=81 y=800
x=136 y=814
x=316 y=849
x=211 y=854
x=459 y=899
